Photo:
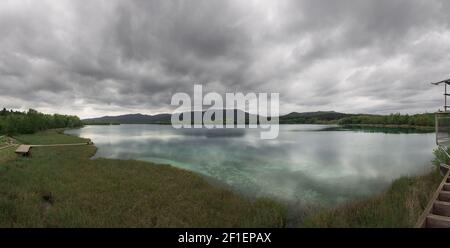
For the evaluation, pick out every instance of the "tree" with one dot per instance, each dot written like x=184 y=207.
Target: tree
x=32 y=121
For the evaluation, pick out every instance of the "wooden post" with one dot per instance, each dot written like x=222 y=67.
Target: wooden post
x=445 y=82
x=436 y=119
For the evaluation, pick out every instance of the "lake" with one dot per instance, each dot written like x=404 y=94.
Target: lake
x=307 y=164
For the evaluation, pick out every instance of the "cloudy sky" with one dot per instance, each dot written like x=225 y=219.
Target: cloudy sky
x=94 y=58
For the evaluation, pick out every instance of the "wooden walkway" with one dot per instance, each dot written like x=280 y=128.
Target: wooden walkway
x=25 y=149
x=57 y=145
x=437 y=213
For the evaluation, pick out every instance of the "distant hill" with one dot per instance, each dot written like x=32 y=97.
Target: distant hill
x=153 y=119
x=313 y=117
x=320 y=117
x=292 y=118
x=130 y=119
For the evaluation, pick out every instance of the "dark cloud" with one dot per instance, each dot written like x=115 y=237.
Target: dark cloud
x=110 y=57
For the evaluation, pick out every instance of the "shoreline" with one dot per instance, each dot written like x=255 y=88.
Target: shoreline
x=424 y=128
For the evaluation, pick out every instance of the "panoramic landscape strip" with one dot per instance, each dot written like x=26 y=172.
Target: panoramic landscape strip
x=63 y=187
x=224 y=123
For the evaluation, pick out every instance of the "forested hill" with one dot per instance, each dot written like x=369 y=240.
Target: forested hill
x=157 y=119
x=320 y=117
x=130 y=119
x=15 y=122
x=331 y=117
x=294 y=118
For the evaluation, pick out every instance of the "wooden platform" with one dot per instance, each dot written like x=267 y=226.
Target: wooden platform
x=23 y=150
x=437 y=213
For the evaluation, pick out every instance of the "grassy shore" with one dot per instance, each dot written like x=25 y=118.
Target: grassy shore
x=63 y=187
x=400 y=206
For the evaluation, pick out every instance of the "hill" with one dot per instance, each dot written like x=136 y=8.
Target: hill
x=153 y=119
x=313 y=117
x=320 y=117
x=292 y=118
x=130 y=119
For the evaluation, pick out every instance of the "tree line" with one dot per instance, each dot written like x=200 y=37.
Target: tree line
x=423 y=120
x=32 y=121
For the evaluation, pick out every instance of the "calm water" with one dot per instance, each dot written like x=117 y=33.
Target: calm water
x=304 y=165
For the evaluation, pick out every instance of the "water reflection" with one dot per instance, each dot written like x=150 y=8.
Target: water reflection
x=305 y=164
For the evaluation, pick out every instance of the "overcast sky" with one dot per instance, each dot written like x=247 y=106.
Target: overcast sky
x=94 y=58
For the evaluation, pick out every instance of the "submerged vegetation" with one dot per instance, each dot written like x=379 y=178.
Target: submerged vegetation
x=14 y=122
x=63 y=187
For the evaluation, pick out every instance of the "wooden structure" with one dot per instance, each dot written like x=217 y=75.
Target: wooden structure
x=59 y=145
x=24 y=150
x=437 y=213
x=445 y=83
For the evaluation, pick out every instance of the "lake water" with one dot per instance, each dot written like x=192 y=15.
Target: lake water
x=305 y=164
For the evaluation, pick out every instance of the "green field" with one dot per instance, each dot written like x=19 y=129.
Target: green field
x=63 y=187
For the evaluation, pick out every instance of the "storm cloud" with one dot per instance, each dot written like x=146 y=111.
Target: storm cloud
x=106 y=57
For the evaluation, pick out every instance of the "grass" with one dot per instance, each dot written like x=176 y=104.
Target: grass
x=49 y=137
x=3 y=141
x=63 y=187
x=7 y=155
x=400 y=206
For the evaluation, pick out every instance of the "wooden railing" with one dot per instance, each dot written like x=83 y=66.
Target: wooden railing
x=437 y=212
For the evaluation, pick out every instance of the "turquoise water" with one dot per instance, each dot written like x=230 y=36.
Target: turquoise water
x=304 y=165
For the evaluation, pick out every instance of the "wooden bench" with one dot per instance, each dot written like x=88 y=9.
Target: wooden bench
x=23 y=150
